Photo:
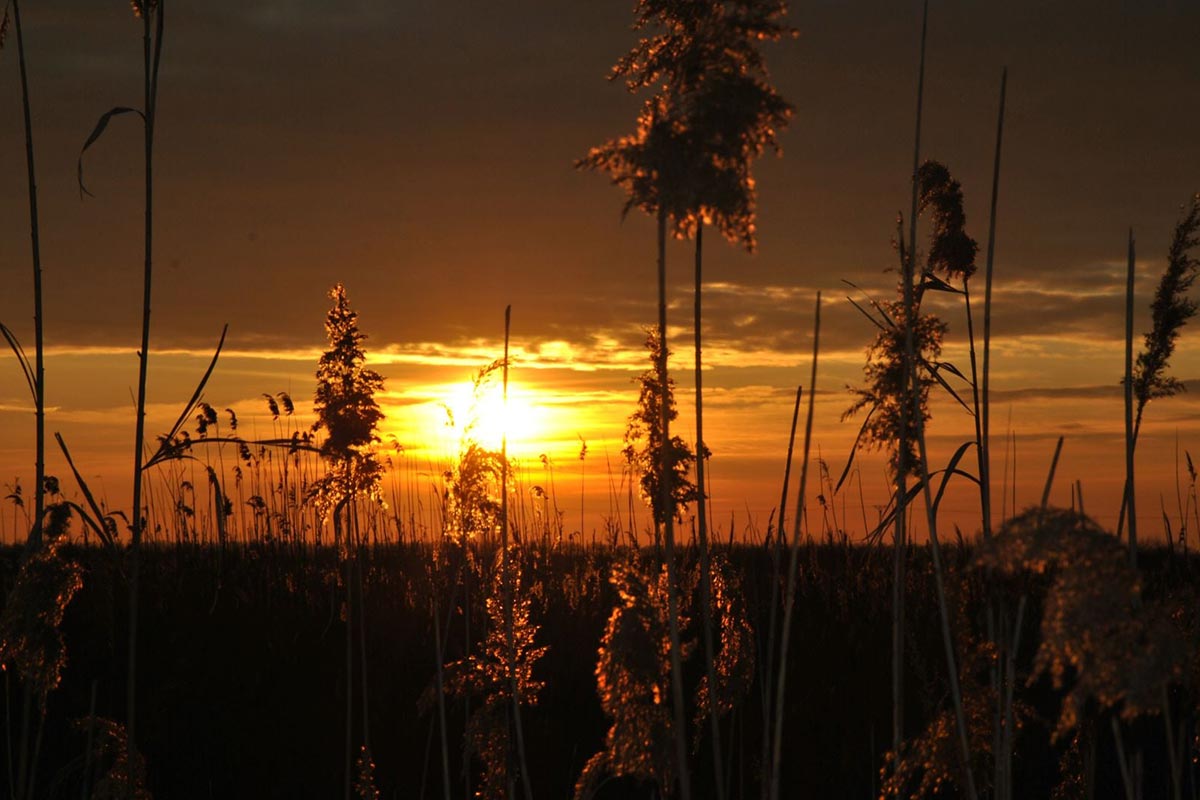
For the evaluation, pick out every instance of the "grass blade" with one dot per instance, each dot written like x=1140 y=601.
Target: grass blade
x=105 y=536
x=15 y=345
x=97 y=131
x=191 y=404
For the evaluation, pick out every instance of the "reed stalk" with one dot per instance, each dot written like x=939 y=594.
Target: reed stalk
x=939 y=584
x=702 y=529
x=508 y=575
x=36 y=253
x=772 y=629
x=668 y=516
x=793 y=564
x=912 y=384
x=342 y=539
x=1000 y=678
x=441 y=693
x=1130 y=500
x=362 y=642
x=902 y=467
x=985 y=467
x=151 y=58
x=28 y=763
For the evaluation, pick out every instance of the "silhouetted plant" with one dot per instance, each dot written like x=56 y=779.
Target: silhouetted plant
x=715 y=112
x=716 y=88
x=31 y=639
x=1146 y=379
x=951 y=250
x=930 y=763
x=888 y=396
x=346 y=409
x=150 y=13
x=633 y=678
x=508 y=660
x=1111 y=649
x=348 y=413
x=1170 y=311
x=645 y=452
x=472 y=485
x=124 y=778
x=689 y=163
x=37 y=375
x=364 y=778
x=734 y=658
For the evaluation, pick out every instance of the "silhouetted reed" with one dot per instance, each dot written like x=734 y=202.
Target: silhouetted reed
x=36 y=374
x=31 y=640
x=501 y=675
x=1147 y=378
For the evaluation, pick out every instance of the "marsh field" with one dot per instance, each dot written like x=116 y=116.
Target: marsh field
x=243 y=684
x=316 y=601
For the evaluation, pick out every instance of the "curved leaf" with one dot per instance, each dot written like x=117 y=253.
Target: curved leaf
x=952 y=469
x=101 y=124
x=854 y=449
x=19 y=352
x=161 y=455
x=98 y=523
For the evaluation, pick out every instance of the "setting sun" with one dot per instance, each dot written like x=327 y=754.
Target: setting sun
x=479 y=411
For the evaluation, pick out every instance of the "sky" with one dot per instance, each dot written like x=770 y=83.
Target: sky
x=422 y=155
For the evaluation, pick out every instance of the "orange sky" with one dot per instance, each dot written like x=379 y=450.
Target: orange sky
x=422 y=156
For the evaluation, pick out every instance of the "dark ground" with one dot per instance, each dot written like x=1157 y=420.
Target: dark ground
x=242 y=664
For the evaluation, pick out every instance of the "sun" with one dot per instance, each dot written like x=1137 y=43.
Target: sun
x=479 y=412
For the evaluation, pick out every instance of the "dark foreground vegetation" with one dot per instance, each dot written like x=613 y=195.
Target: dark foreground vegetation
x=243 y=669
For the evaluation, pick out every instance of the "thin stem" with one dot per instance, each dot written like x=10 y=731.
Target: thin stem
x=667 y=512
x=150 y=82
x=772 y=630
x=504 y=445
x=902 y=466
x=1050 y=478
x=349 y=579
x=362 y=643
x=976 y=403
x=1130 y=441
x=793 y=563
x=943 y=608
x=508 y=575
x=912 y=385
x=985 y=452
x=36 y=250
x=1173 y=755
x=1122 y=761
x=705 y=561
x=1010 y=686
x=441 y=697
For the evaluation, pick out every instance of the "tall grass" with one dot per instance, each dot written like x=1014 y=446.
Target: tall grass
x=900 y=539
x=35 y=247
x=790 y=596
x=151 y=15
x=36 y=378
x=1128 y=386
x=1147 y=378
x=985 y=468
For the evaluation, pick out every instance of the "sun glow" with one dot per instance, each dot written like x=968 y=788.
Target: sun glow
x=479 y=412
x=438 y=418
